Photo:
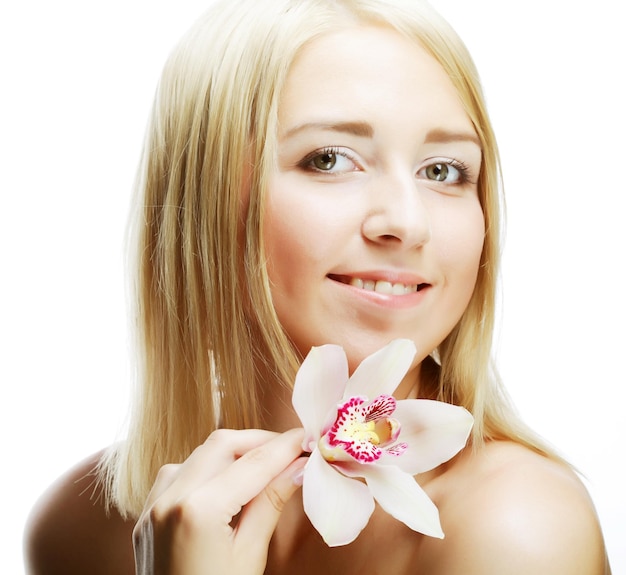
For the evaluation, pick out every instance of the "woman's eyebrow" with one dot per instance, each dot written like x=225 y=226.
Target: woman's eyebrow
x=440 y=136
x=360 y=129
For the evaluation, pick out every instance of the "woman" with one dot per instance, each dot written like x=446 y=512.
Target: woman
x=315 y=172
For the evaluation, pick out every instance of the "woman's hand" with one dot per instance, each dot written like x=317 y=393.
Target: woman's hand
x=216 y=512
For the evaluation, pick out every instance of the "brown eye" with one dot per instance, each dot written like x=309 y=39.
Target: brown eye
x=325 y=162
x=437 y=172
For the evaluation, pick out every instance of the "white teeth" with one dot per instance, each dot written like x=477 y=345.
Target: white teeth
x=384 y=287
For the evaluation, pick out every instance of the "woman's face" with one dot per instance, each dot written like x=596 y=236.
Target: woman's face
x=373 y=226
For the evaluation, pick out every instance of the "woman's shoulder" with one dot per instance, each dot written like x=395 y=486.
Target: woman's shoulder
x=507 y=509
x=69 y=530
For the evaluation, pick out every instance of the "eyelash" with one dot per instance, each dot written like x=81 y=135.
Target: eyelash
x=465 y=173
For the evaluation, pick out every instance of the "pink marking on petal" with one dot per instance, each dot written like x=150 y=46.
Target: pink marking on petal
x=382 y=406
x=363 y=451
x=397 y=449
x=351 y=434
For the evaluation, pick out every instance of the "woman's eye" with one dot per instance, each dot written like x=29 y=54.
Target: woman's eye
x=445 y=172
x=329 y=161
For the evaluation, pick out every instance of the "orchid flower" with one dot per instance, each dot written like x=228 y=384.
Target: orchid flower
x=355 y=429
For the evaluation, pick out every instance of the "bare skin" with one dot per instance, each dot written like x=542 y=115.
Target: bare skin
x=505 y=511
x=69 y=531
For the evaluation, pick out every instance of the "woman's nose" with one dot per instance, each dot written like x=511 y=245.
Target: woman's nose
x=397 y=215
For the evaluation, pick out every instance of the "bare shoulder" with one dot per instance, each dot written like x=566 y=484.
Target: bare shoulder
x=70 y=532
x=511 y=511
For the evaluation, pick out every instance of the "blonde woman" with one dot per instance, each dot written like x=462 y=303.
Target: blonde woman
x=303 y=156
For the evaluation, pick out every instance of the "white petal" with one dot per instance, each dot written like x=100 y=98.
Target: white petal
x=319 y=387
x=381 y=372
x=399 y=495
x=338 y=507
x=434 y=431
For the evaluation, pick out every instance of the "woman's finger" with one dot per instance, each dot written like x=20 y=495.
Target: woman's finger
x=220 y=450
x=164 y=480
x=259 y=517
x=246 y=477
x=258 y=484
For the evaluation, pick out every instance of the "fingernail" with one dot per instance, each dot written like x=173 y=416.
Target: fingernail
x=298 y=477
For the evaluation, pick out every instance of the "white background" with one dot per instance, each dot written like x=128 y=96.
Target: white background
x=77 y=80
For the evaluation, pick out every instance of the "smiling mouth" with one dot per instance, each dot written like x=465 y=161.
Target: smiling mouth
x=380 y=286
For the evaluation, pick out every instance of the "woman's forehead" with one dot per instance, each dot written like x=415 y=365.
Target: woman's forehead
x=359 y=76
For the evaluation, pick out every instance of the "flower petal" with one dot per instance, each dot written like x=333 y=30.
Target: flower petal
x=434 y=432
x=338 y=507
x=381 y=372
x=319 y=386
x=400 y=495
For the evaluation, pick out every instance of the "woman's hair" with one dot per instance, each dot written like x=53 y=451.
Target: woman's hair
x=208 y=335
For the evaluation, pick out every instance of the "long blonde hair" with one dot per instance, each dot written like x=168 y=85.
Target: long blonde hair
x=205 y=321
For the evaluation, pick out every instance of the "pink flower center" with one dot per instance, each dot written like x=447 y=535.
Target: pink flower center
x=363 y=431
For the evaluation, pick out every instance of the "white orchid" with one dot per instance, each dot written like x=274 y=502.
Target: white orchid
x=354 y=428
